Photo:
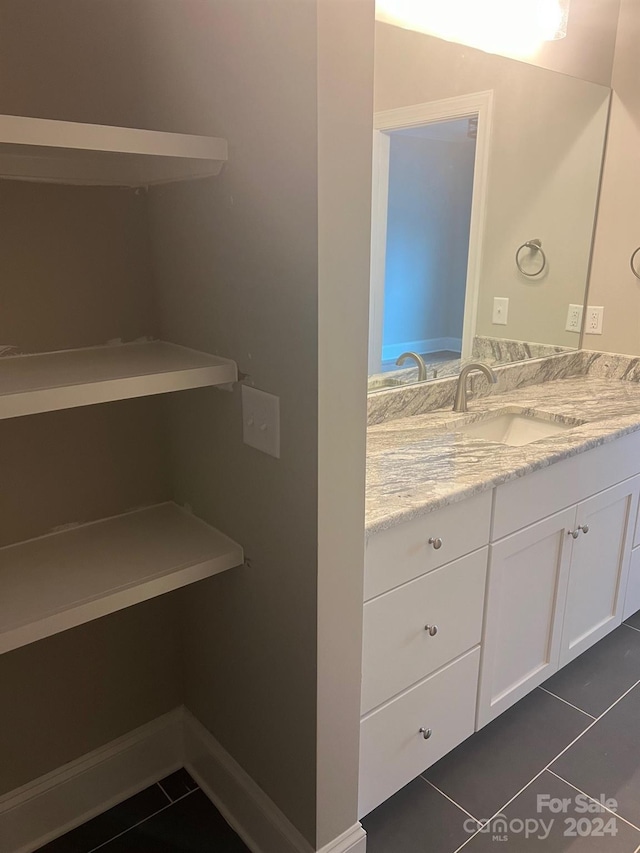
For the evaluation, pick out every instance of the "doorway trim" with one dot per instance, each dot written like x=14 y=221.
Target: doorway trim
x=477 y=103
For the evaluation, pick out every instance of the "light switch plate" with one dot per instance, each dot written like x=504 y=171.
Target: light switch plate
x=500 y=310
x=261 y=420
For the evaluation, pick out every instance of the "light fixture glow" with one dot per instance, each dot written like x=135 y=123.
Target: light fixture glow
x=515 y=27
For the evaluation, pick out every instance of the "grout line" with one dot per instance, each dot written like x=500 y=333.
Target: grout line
x=159 y=784
x=575 y=707
x=435 y=787
x=633 y=627
x=604 y=808
x=139 y=823
x=531 y=781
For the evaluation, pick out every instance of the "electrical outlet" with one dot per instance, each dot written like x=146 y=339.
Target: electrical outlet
x=574 y=318
x=595 y=315
x=500 y=310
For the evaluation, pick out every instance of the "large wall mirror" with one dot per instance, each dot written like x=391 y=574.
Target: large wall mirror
x=485 y=187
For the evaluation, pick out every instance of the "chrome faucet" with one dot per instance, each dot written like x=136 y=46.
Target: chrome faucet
x=460 y=402
x=422 y=367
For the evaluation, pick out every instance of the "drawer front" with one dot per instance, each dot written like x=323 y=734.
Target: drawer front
x=537 y=495
x=392 y=749
x=398 y=650
x=404 y=552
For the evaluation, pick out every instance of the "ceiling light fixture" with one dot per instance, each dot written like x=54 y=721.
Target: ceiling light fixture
x=514 y=27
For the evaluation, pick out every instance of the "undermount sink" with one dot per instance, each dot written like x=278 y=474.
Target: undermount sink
x=517 y=428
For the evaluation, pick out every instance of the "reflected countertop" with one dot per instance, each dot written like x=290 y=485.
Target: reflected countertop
x=420 y=463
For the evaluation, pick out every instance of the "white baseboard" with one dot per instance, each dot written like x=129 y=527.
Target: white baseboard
x=354 y=840
x=55 y=803
x=244 y=805
x=393 y=351
x=40 y=811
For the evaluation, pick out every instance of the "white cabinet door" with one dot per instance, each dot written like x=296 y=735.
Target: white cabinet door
x=599 y=567
x=632 y=598
x=528 y=573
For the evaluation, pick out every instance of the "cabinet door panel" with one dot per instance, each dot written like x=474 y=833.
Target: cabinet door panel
x=632 y=598
x=599 y=568
x=528 y=574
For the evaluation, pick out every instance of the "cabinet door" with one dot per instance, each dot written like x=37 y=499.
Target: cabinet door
x=528 y=573
x=599 y=567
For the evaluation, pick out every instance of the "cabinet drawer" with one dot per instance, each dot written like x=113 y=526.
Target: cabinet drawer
x=537 y=495
x=397 y=648
x=392 y=749
x=403 y=553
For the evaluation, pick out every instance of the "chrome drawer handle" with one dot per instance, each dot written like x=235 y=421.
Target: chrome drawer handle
x=426 y=733
x=581 y=527
x=432 y=630
x=436 y=542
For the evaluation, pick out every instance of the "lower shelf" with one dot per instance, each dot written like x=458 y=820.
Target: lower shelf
x=56 y=582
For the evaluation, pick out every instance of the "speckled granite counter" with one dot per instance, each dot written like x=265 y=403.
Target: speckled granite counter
x=420 y=463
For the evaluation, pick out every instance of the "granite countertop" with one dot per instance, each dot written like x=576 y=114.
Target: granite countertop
x=420 y=463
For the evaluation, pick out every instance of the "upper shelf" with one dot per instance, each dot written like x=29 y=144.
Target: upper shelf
x=30 y=384
x=56 y=582
x=67 y=152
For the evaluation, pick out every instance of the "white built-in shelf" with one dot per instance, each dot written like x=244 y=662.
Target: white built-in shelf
x=30 y=384
x=56 y=582
x=67 y=152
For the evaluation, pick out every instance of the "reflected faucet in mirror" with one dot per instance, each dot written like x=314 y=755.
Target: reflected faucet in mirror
x=422 y=367
x=460 y=402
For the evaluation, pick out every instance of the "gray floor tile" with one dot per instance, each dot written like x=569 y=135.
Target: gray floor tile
x=192 y=825
x=491 y=766
x=530 y=824
x=177 y=784
x=602 y=674
x=110 y=823
x=415 y=820
x=607 y=759
x=634 y=620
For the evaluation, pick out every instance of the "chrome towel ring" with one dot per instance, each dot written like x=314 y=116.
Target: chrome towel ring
x=633 y=257
x=535 y=246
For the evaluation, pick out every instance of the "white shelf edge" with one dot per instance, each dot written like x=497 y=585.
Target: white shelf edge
x=163 y=520
x=49 y=150
x=72 y=378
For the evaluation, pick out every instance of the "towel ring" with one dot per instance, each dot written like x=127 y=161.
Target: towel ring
x=633 y=257
x=534 y=245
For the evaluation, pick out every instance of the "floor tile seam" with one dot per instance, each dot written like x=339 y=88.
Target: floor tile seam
x=570 y=704
x=569 y=745
x=594 y=800
x=446 y=796
x=159 y=784
x=140 y=822
x=626 y=692
x=633 y=627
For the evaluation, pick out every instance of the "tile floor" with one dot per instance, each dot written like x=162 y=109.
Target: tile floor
x=567 y=744
x=173 y=816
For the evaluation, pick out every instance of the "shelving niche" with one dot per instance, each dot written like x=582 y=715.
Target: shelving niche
x=63 y=579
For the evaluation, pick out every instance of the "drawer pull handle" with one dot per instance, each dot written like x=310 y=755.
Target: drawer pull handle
x=436 y=542
x=432 y=630
x=581 y=527
x=426 y=733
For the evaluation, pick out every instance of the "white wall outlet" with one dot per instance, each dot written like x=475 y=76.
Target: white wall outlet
x=574 y=318
x=595 y=314
x=261 y=420
x=500 y=310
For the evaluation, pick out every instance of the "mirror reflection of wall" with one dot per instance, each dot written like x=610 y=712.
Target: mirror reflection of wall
x=427 y=241
x=545 y=141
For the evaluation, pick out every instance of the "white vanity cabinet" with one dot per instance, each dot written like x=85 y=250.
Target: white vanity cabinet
x=424 y=591
x=558 y=585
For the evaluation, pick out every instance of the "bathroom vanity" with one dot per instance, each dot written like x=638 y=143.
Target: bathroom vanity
x=490 y=566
